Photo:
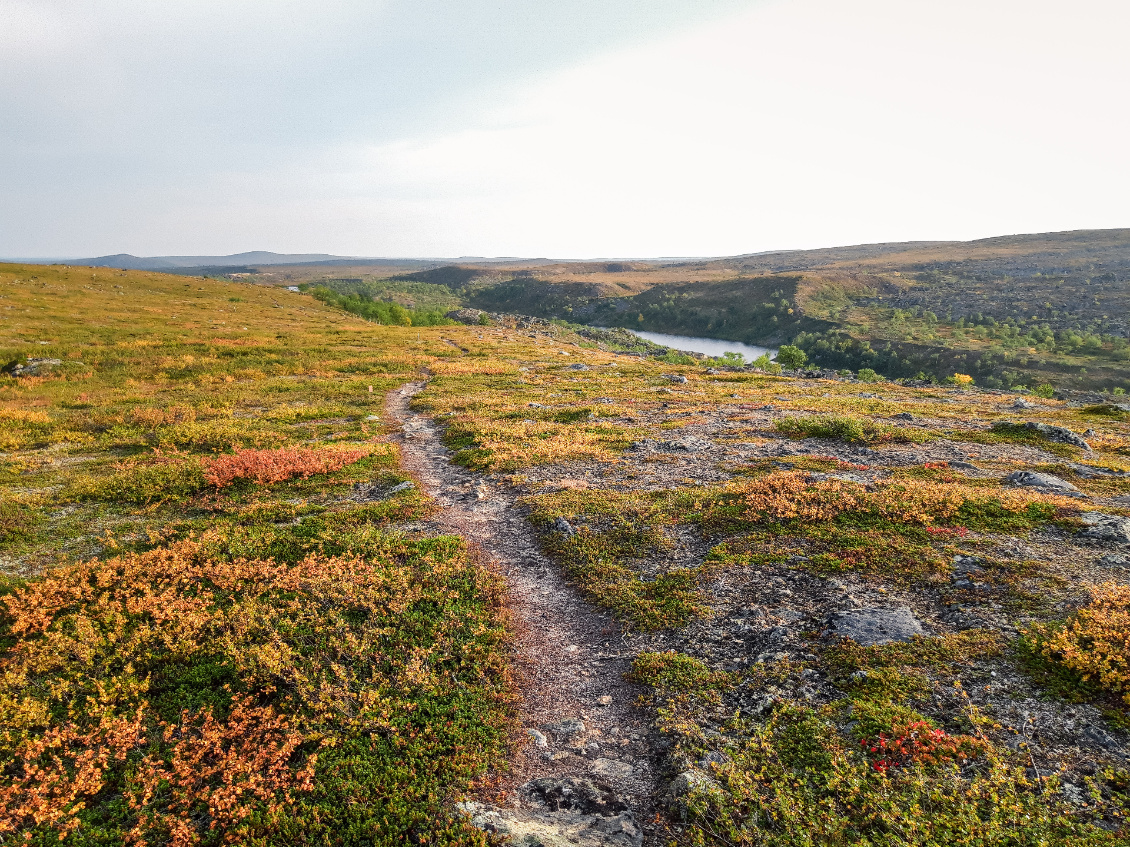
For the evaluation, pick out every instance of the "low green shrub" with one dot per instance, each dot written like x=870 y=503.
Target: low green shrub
x=795 y=780
x=845 y=428
x=143 y=482
x=599 y=556
x=20 y=519
x=672 y=671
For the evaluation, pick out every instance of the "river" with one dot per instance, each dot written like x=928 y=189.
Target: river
x=709 y=346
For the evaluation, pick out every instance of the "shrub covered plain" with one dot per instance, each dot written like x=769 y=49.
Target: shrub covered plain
x=203 y=564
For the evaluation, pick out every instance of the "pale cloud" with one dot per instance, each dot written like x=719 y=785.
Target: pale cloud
x=757 y=126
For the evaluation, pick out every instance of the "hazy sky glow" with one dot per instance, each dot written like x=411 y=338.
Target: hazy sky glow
x=571 y=128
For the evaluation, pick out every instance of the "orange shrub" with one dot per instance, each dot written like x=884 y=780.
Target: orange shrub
x=224 y=766
x=1096 y=641
x=266 y=466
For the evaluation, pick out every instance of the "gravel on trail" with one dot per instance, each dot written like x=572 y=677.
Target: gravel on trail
x=578 y=714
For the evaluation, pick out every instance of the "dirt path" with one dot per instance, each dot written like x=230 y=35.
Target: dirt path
x=570 y=656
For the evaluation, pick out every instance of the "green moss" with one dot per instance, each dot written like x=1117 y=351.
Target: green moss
x=673 y=672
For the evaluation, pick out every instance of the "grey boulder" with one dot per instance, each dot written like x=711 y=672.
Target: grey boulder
x=564 y=729
x=1058 y=434
x=1046 y=481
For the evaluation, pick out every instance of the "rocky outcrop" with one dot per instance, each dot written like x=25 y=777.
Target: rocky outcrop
x=876 y=626
x=1112 y=529
x=1057 y=434
x=466 y=316
x=35 y=367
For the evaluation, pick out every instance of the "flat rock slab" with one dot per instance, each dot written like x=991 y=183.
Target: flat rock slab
x=689 y=444
x=612 y=769
x=537 y=828
x=876 y=626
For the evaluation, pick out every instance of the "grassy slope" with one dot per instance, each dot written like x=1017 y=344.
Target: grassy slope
x=265 y=661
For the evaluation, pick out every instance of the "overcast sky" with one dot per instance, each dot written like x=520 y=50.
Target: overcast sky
x=560 y=128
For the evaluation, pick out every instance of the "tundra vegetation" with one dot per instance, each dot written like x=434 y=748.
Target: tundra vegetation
x=213 y=629
x=1021 y=311
x=220 y=624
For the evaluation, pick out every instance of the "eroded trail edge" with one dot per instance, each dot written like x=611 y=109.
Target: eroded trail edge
x=571 y=658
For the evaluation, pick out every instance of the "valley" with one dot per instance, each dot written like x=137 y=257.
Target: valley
x=1019 y=311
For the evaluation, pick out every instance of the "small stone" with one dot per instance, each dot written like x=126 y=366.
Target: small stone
x=372 y=417
x=612 y=769
x=564 y=527
x=604 y=700
x=539 y=739
x=535 y=406
x=678 y=379
x=407 y=485
x=579 y=366
x=565 y=729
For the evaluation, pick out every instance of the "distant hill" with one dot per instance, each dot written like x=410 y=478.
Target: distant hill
x=126 y=261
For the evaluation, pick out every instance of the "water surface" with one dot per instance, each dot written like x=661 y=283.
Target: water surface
x=708 y=346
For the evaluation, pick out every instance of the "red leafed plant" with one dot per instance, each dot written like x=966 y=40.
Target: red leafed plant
x=919 y=743
x=265 y=466
x=947 y=531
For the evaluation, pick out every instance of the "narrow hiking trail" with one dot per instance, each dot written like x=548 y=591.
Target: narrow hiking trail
x=569 y=656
